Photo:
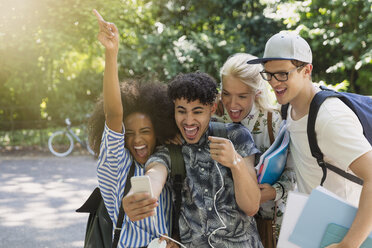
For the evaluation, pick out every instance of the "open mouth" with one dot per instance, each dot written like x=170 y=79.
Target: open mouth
x=141 y=151
x=191 y=132
x=280 y=92
x=235 y=114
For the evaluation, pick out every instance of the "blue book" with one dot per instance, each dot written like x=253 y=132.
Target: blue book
x=335 y=233
x=273 y=160
x=322 y=208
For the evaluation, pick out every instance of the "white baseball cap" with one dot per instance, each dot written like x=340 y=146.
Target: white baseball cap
x=285 y=46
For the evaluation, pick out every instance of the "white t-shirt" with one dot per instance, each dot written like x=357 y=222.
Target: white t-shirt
x=341 y=140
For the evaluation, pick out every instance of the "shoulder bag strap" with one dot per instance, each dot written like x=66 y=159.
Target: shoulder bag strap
x=270 y=126
x=220 y=111
x=271 y=137
x=119 y=223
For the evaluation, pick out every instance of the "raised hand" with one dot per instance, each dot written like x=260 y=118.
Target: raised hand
x=223 y=151
x=108 y=33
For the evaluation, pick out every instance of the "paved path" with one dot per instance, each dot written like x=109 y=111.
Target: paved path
x=38 y=198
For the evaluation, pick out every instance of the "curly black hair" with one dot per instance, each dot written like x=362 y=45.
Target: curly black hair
x=147 y=98
x=193 y=86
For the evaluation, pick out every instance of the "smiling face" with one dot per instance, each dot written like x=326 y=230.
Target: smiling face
x=192 y=118
x=292 y=89
x=237 y=98
x=139 y=136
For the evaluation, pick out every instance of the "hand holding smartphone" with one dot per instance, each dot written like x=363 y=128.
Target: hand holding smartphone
x=141 y=184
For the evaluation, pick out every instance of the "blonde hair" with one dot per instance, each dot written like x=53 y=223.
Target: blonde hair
x=249 y=74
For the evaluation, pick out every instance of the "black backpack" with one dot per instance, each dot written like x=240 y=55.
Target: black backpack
x=361 y=106
x=99 y=225
x=98 y=233
x=178 y=173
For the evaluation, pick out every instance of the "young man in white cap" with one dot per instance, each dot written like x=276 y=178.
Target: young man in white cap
x=287 y=67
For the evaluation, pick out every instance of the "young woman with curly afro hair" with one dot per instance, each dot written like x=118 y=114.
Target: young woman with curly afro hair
x=129 y=122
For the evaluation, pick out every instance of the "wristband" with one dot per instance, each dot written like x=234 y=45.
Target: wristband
x=279 y=189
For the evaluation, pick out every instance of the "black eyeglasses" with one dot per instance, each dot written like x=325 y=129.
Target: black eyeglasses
x=279 y=76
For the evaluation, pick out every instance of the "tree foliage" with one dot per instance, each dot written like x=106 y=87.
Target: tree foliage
x=339 y=33
x=51 y=65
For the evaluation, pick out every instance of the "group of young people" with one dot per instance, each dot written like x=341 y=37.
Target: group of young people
x=221 y=199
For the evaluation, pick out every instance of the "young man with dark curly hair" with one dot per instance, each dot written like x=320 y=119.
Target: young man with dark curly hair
x=220 y=193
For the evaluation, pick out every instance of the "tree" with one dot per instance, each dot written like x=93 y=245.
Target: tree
x=53 y=63
x=200 y=35
x=49 y=71
x=339 y=33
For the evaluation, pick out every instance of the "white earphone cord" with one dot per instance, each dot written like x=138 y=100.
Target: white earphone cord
x=215 y=207
x=164 y=236
x=153 y=220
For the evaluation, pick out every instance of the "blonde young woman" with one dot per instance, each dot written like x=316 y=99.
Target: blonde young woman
x=246 y=100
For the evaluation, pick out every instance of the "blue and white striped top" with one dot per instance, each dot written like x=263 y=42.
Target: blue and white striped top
x=113 y=167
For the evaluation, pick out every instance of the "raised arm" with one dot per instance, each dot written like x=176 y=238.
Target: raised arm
x=109 y=37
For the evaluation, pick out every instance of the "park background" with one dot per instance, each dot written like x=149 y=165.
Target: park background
x=51 y=64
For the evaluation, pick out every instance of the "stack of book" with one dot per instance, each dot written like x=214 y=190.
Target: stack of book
x=273 y=161
x=316 y=220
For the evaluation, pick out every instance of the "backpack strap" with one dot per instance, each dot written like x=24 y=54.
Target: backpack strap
x=284 y=111
x=270 y=127
x=178 y=174
x=119 y=223
x=318 y=99
x=178 y=165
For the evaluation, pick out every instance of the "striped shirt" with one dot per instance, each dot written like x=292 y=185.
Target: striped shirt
x=113 y=167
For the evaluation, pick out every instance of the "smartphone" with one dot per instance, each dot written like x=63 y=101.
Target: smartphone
x=141 y=184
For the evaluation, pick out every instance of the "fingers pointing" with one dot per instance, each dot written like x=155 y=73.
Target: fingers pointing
x=108 y=28
x=99 y=17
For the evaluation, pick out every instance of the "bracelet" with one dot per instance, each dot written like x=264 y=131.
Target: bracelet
x=236 y=160
x=278 y=188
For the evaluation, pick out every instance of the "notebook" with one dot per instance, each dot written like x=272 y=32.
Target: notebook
x=322 y=207
x=295 y=203
x=335 y=233
x=273 y=161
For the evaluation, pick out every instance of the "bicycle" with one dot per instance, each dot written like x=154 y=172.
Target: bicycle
x=61 y=143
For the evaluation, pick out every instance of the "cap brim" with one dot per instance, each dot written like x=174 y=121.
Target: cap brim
x=263 y=60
